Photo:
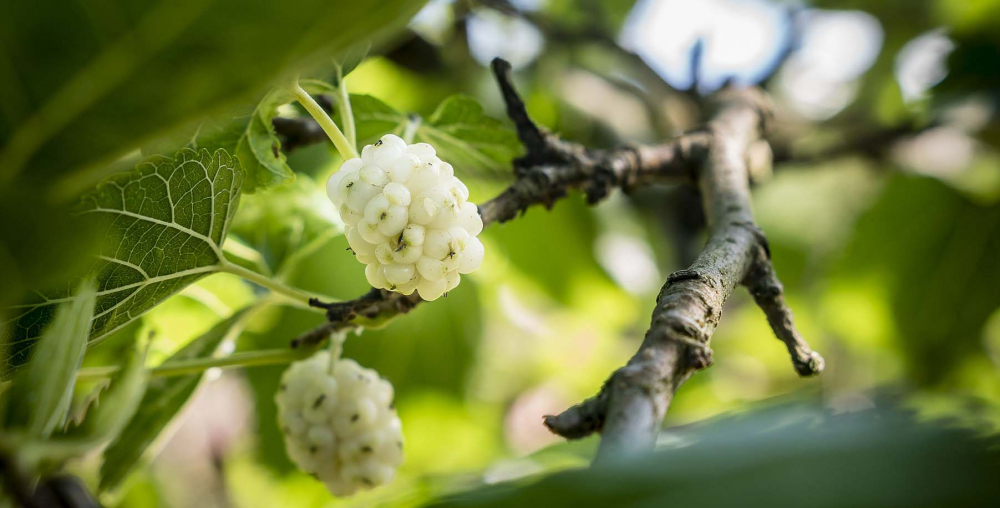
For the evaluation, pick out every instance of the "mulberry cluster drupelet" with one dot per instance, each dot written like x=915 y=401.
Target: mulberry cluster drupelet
x=340 y=423
x=407 y=217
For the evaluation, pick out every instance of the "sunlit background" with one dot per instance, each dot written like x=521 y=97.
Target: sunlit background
x=890 y=253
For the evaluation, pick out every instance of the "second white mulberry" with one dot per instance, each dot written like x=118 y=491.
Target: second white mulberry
x=407 y=217
x=340 y=425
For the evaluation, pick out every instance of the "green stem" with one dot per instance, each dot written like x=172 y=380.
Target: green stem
x=246 y=253
x=346 y=149
x=273 y=285
x=346 y=113
x=195 y=365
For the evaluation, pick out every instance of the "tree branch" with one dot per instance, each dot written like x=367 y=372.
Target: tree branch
x=767 y=291
x=629 y=408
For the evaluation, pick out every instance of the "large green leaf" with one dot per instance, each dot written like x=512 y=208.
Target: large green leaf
x=374 y=118
x=468 y=137
x=83 y=82
x=43 y=391
x=937 y=254
x=462 y=134
x=163 y=225
x=788 y=456
x=163 y=399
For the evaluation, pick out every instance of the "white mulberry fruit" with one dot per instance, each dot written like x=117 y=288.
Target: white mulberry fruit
x=342 y=426
x=407 y=217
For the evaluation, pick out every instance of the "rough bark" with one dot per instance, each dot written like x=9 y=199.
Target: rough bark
x=633 y=402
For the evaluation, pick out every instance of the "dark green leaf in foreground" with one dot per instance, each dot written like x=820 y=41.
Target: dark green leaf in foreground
x=47 y=246
x=351 y=59
x=84 y=82
x=43 y=391
x=162 y=226
x=163 y=399
x=104 y=421
x=118 y=403
x=788 y=456
x=459 y=130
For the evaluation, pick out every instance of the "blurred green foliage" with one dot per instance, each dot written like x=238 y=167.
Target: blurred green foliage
x=290 y=222
x=160 y=404
x=892 y=272
x=941 y=270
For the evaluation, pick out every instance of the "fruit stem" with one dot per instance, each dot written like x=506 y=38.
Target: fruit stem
x=346 y=149
x=346 y=113
x=336 y=347
x=411 y=128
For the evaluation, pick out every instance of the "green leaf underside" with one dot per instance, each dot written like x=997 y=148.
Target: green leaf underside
x=461 y=133
x=163 y=399
x=162 y=226
x=45 y=387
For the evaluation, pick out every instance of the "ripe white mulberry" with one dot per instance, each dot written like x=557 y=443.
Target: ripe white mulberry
x=407 y=217
x=340 y=424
